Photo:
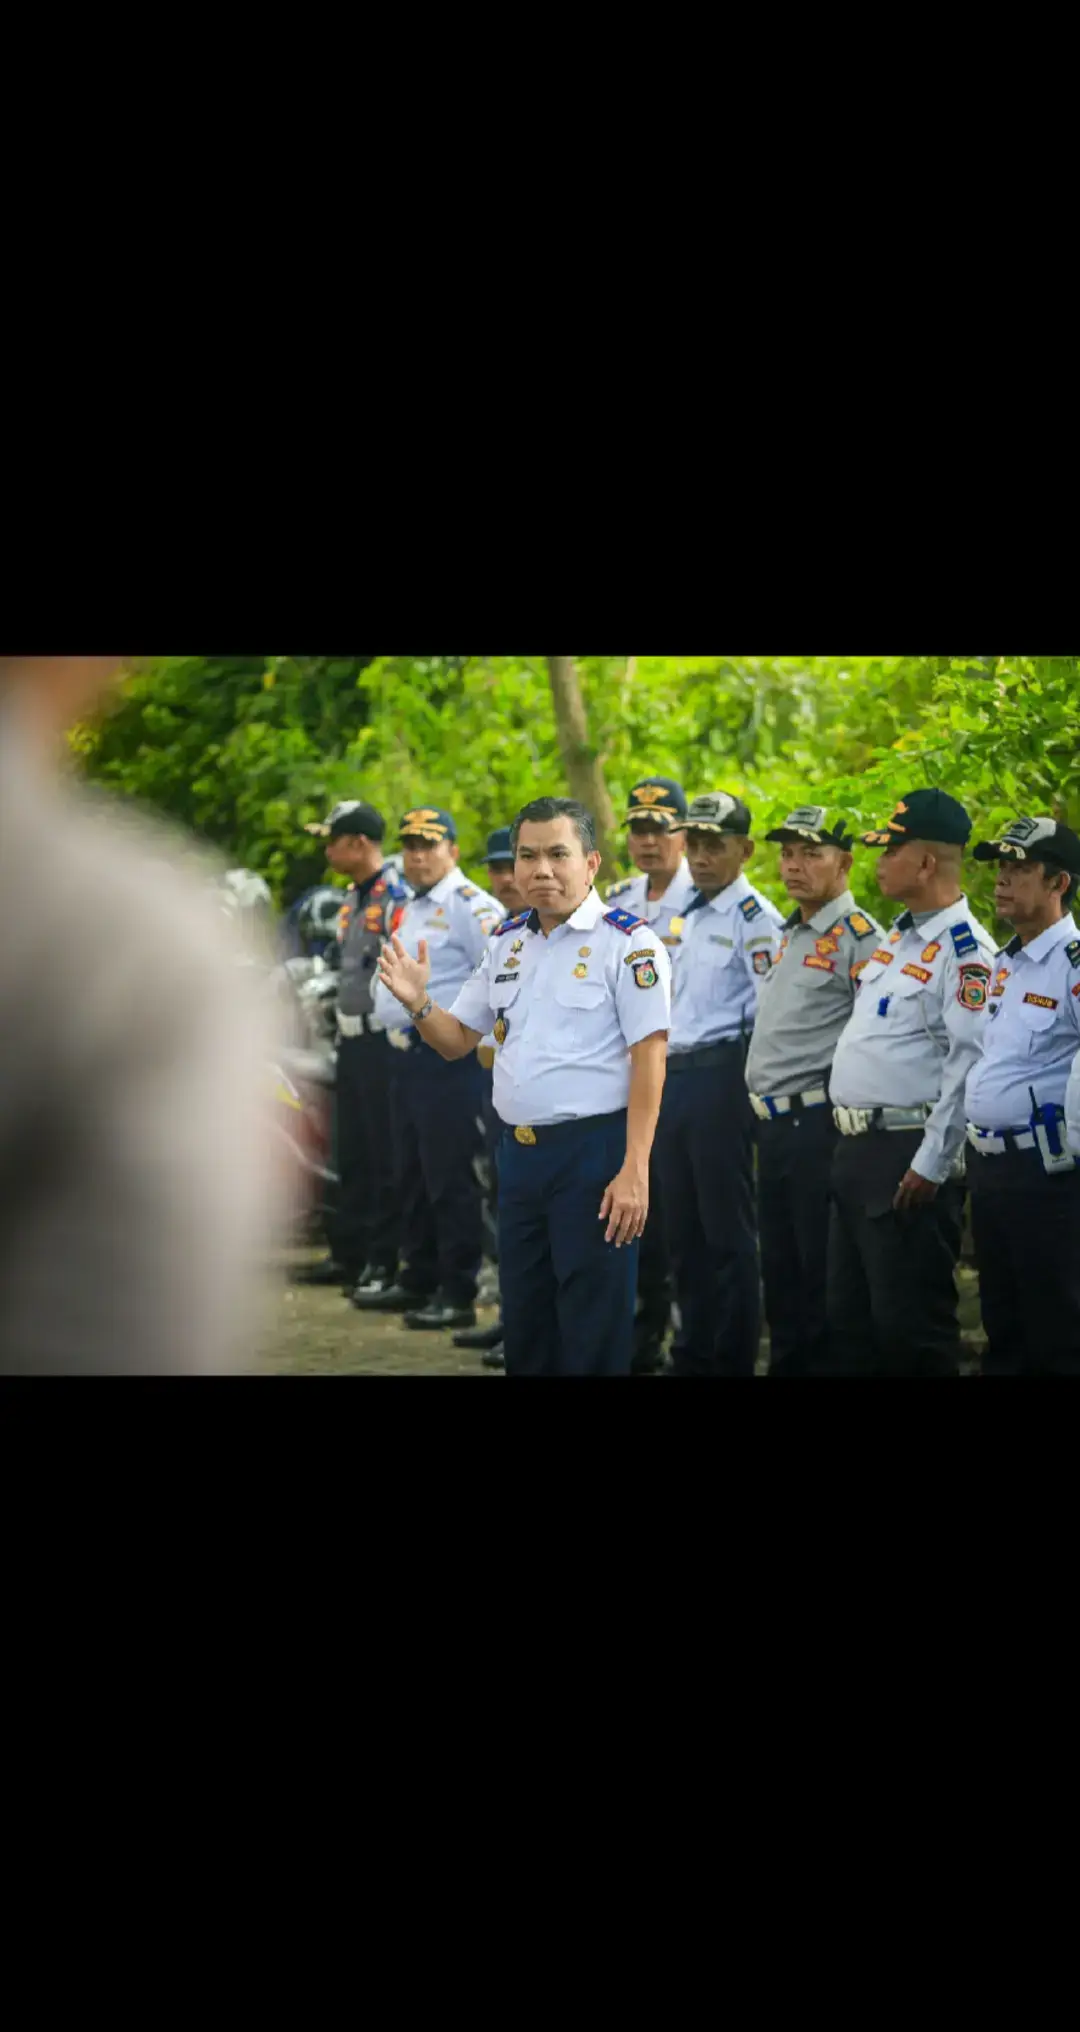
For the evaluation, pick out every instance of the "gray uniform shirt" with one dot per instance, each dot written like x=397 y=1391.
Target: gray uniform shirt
x=368 y=917
x=807 y=996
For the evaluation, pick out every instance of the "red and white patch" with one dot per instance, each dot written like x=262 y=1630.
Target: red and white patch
x=1042 y=1001
x=886 y=958
x=930 y=952
x=815 y=960
x=917 y=973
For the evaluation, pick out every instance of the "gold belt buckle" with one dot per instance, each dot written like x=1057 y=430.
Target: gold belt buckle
x=524 y=1134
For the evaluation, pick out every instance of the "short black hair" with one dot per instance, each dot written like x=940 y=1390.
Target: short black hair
x=542 y=810
x=1051 y=867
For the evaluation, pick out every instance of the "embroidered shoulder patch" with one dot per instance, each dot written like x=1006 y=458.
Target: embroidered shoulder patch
x=1073 y=951
x=1042 y=1001
x=645 y=974
x=620 y=888
x=917 y=973
x=972 y=991
x=761 y=962
x=963 y=938
x=751 y=908
x=930 y=952
x=466 y=891
x=645 y=953
x=624 y=920
x=859 y=924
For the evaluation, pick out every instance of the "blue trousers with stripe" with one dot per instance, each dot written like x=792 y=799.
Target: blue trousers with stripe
x=567 y=1295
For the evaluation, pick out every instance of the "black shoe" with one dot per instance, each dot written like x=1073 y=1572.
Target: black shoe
x=493 y=1358
x=438 y=1312
x=371 y=1279
x=647 y=1360
x=388 y=1298
x=480 y=1336
x=327 y=1271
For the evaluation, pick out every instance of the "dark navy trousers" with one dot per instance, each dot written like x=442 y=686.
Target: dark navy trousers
x=567 y=1295
x=705 y=1149
x=437 y=1107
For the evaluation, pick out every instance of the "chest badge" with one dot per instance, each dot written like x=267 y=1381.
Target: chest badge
x=581 y=972
x=675 y=927
x=827 y=945
x=517 y=945
x=584 y=951
x=930 y=952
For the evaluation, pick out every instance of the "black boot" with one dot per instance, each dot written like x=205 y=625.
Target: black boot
x=480 y=1336
x=439 y=1312
x=493 y=1358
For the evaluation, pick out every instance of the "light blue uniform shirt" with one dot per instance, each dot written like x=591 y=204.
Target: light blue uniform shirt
x=572 y=1004
x=456 y=919
x=728 y=946
x=1032 y=1031
x=667 y=912
x=917 y=1028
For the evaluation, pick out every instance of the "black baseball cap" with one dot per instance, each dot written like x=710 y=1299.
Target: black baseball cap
x=813 y=822
x=426 y=823
x=498 y=847
x=352 y=816
x=924 y=815
x=659 y=798
x=1034 y=839
x=718 y=812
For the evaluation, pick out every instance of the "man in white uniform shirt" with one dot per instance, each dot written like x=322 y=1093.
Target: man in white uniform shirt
x=438 y=1106
x=898 y=1100
x=1024 y=1180
x=659 y=895
x=705 y=1143
x=578 y=1001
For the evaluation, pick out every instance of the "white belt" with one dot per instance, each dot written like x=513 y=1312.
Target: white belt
x=355 y=1026
x=994 y=1142
x=857 y=1121
x=765 y=1106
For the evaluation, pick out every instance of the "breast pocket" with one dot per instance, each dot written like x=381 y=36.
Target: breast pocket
x=580 y=1004
x=1032 y=1024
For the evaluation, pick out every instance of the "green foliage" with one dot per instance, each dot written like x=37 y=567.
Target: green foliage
x=246 y=749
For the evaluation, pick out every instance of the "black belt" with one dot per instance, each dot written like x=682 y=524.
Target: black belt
x=542 y=1132
x=710 y=1054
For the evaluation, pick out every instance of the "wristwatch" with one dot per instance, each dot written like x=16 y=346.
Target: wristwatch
x=419 y=1014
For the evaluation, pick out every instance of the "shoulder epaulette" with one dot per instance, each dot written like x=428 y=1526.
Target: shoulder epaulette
x=620 y=888
x=466 y=891
x=624 y=920
x=512 y=923
x=859 y=924
x=750 y=908
x=963 y=938
x=1073 y=950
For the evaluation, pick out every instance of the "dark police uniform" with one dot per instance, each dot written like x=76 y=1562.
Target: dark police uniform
x=564 y=1011
x=366 y=1225
x=438 y=1103
x=897 y=1085
x=663 y=800
x=805 y=1001
x=705 y=1140
x=1024 y=1179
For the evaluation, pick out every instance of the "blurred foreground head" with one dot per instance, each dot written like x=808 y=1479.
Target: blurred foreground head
x=137 y=1186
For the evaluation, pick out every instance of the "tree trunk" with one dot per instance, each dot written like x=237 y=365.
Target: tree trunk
x=584 y=770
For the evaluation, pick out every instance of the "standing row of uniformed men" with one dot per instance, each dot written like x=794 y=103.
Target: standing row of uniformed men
x=641 y=1052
